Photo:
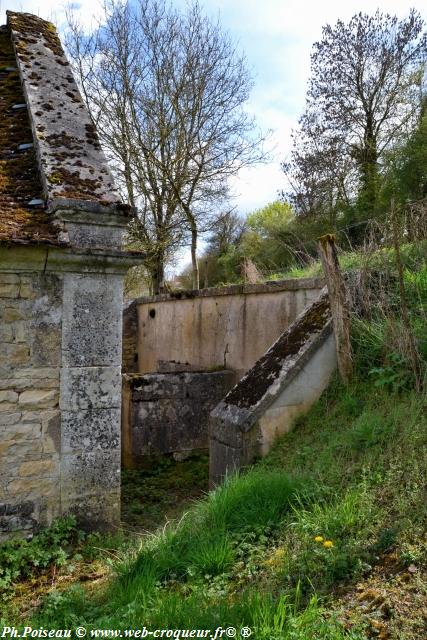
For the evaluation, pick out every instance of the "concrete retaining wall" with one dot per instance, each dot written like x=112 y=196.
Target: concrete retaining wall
x=220 y=327
x=281 y=385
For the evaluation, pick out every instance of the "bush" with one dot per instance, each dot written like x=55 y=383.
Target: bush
x=20 y=558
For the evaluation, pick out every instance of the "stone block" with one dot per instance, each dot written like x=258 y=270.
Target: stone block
x=94 y=511
x=46 y=345
x=8 y=396
x=7 y=407
x=9 y=290
x=92 y=323
x=9 y=418
x=169 y=412
x=38 y=373
x=18 y=449
x=20 y=331
x=90 y=430
x=20 y=431
x=223 y=460
x=9 y=278
x=38 y=398
x=21 y=384
x=92 y=473
x=6 y=333
x=14 y=353
x=90 y=388
x=29 y=488
x=39 y=416
x=39 y=468
x=27 y=290
x=16 y=517
x=12 y=314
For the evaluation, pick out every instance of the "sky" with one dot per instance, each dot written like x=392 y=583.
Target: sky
x=276 y=37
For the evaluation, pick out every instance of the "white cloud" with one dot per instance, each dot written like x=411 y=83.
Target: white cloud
x=53 y=10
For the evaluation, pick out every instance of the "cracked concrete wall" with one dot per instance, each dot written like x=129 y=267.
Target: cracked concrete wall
x=229 y=326
x=30 y=436
x=281 y=385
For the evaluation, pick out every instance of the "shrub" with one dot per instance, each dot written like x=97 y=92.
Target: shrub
x=19 y=558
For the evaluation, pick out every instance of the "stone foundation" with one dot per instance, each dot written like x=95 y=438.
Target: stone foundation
x=60 y=386
x=169 y=413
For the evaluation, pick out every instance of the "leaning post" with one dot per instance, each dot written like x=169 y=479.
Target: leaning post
x=339 y=302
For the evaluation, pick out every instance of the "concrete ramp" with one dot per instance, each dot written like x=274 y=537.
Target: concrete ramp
x=281 y=385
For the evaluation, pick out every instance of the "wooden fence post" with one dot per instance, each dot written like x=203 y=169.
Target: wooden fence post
x=339 y=304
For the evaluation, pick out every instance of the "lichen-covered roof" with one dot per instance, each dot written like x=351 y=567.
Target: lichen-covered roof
x=73 y=165
x=20 y=183
x=50 y=155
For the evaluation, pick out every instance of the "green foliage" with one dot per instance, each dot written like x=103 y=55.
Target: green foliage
x=256 y=499
x=395 y=376
x=406 y=176
x=370 y=429
x=271 y=239
x=326 y=545
x=201 y=542
x=19 y=558
x=270 y=220
x=350 y=453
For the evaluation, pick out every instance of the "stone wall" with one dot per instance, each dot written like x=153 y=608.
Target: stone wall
x=91 y=397
x=169 y=413
x=220 y=327
x=60 y=385
x=30 y=359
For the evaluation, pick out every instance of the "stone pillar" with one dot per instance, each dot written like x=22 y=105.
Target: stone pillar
x=90 y=379
x=90 y=398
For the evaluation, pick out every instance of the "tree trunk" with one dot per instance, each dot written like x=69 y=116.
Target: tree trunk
x=369 y=171
x=339 y=305
x=206 y=283
x=158 y=275
x=196 y=275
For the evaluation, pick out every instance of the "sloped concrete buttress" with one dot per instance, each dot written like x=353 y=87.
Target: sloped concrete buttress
x=282 y=385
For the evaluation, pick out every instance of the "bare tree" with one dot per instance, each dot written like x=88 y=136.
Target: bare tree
x=362 y=96
x=166 y=91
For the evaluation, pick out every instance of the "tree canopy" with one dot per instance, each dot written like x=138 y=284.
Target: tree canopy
x=167 y=89
x=362 y=99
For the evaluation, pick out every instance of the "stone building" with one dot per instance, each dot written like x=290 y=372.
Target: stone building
x=61 y=272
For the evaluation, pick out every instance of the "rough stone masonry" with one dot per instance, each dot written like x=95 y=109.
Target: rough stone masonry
x=61 y=272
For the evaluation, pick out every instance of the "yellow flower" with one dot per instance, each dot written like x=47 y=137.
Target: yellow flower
x=318 y=539
x=328 y=544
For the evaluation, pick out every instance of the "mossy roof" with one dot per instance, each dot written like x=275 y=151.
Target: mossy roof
x=20 y=182
x=50 y=155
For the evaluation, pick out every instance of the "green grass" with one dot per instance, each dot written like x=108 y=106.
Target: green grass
x=353 y=472
x=413 y=255
x=271 y=547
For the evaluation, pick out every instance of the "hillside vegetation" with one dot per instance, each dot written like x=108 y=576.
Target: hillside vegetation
x=322 y=539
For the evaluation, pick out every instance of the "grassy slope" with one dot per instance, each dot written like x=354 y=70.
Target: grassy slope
x=411 y=254
x=336 y=512
x=353 y=472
